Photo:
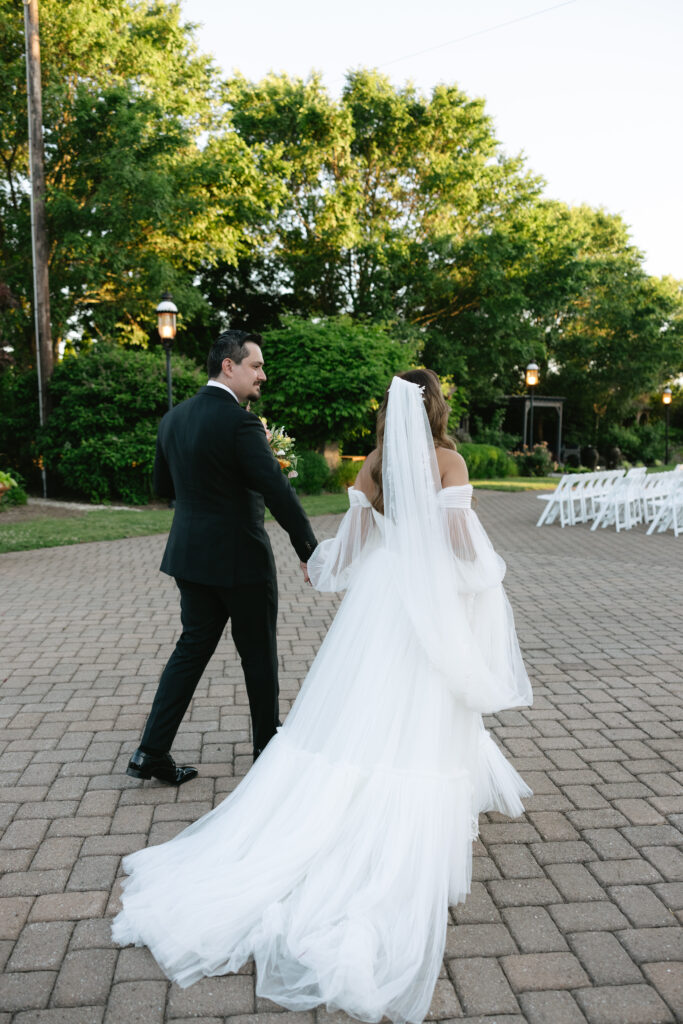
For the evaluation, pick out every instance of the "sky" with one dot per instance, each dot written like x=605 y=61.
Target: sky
x=591 y=91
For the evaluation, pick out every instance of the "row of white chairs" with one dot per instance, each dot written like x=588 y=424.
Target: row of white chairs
x=614 y=497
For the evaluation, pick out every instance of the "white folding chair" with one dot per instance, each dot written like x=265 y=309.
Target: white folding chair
x=655 y=491
x=597 y=489
x=579 y=497
x=558 y=502
x=622 y=505
x=670 y=512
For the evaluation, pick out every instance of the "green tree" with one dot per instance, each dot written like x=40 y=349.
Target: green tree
x=619 y=333
x=566 y=287
x=135 y=203
x=327 y=377
x=370 y=186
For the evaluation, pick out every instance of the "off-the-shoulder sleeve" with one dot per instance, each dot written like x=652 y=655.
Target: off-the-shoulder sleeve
x=479 y=573
x=331 y=564
x=478 y=565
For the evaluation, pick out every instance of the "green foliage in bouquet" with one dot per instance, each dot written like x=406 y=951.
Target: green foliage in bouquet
x=282 y=447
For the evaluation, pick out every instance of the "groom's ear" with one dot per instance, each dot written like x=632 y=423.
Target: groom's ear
x=226 y=366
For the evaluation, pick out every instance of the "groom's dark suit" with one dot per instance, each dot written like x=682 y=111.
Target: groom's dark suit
x=214 y=459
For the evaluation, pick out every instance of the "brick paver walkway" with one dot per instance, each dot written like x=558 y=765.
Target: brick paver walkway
x=575 y=909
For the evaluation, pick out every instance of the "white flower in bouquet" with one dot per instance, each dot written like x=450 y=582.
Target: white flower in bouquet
x=282 y=447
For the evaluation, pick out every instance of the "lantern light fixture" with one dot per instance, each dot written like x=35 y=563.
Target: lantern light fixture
x=167 y=312
x=666 y=400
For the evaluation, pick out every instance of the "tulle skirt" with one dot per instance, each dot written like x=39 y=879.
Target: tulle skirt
x=334 y=861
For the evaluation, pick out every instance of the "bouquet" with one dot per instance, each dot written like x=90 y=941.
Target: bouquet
x=282 y=447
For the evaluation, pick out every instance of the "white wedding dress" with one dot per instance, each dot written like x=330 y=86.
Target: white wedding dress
x=333 y=863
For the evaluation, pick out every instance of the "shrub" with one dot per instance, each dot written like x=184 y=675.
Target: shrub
x=15 y=493
x=640 y=442
x=112 y=466
x=344 y=475
x=99 y=441
x=486 y=462
x=313 y=472
x=19 y=422
x=536 y=461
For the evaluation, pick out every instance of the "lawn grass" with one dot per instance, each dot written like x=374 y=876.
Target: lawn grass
x=104 y=524
x=100 y=525
x=518 y=483
x=324 y=504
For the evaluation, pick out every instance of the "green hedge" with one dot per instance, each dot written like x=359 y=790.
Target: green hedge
x=344 y=475
x=640 y=442
x=486 y=462
x=99 y=441
x=315 y=476
x=313 y=471
x=19 y=423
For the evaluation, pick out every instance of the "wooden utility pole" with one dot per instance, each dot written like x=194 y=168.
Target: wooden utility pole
x=41 y=284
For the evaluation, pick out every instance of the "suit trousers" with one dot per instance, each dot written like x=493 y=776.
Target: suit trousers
x=204 y=613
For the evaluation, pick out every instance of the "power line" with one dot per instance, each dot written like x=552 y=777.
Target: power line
x=480 y=32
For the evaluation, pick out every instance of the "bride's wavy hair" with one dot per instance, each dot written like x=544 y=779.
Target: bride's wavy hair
x=437 y=411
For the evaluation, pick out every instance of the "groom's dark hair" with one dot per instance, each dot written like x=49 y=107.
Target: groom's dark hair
x=229 y=345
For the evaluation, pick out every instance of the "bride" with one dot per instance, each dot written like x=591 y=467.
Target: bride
x=334 y=861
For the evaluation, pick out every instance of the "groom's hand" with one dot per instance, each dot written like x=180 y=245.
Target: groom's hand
x=304 y=569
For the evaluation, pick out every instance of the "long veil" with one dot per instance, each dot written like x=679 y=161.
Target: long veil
x=425 y=566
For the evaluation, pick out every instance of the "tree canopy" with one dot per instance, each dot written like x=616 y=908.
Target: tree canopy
x=134 y=202
x=255 y=202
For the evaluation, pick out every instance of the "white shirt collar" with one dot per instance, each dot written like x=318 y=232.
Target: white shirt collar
x=218 y=384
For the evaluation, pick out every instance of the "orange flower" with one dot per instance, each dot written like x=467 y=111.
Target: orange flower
x=284 y=463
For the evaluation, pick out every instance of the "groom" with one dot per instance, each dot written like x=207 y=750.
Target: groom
x=213 y=458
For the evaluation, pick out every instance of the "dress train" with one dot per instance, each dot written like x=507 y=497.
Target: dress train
x=333 y=863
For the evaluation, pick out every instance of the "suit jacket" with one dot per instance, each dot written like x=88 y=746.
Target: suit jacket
x=213 y=457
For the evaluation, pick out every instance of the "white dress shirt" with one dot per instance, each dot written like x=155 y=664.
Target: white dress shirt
x=217 y=384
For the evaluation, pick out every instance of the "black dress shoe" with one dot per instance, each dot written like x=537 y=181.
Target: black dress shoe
x=259 y=750
x=159 y=766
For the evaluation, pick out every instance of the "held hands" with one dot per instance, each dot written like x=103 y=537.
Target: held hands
x=304 y=569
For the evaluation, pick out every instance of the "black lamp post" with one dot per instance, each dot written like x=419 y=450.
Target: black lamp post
x=166 y=322
x=531 y=380
x=666 y=399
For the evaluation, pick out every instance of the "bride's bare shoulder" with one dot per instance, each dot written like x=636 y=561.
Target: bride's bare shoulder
x=364 y=481
x=452 y=468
